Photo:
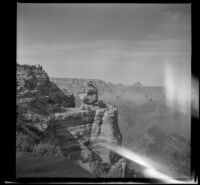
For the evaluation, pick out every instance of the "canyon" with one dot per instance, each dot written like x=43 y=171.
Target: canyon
x=48 y=114
x=72 y=119
x=148 y=126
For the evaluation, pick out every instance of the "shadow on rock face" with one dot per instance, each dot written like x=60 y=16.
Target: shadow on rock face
x=73 y=130
x=69 y=144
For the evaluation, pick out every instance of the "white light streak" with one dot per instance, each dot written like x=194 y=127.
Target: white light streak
x=149 y=165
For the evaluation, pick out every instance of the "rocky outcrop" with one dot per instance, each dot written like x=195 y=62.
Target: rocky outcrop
x=44 y=110
x=105 y=130
x=37 y=100
x=84 y=131
x=78 y=129
x=73 y=129
x=89 y=96
x=33 y=83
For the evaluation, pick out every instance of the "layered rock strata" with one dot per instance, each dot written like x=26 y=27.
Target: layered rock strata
x=43 y=110
x=83 y=132
x=105 y=130
x=73 y=129
x=88 y=129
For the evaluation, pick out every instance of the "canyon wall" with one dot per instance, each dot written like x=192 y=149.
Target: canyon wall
x=37 y=100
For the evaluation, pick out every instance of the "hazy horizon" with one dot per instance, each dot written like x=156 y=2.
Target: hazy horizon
x=117 y=43
x=108 y=81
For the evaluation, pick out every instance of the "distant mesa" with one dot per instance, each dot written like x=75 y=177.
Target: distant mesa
x=137 y=84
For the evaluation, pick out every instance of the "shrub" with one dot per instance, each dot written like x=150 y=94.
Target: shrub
x=47 y=149
x=23 y=143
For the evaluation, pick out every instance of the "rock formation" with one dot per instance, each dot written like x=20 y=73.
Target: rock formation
x=44 y=111
x=105 y=130
x=37 y=100
x=83 y=131
x=73 y=129
x=89 y=96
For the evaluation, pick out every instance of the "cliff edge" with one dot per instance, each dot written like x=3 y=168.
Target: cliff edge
x=37 y=100
x=83 y=131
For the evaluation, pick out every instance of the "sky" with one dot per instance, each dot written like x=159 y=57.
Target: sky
x=117 y=43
